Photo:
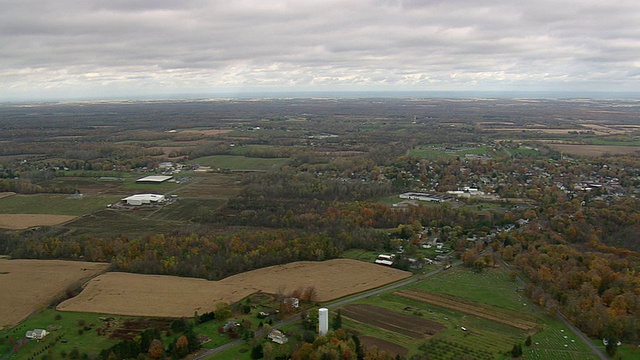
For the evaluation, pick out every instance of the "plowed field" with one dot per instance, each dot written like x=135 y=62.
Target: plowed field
x=408 y=325
x=492 y=313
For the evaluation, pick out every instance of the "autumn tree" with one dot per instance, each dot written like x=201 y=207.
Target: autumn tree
x=156 y=349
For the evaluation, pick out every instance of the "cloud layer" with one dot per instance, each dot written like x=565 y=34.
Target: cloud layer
x=72 y=48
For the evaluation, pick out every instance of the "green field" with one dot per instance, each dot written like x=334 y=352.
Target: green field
x=437 y=152
x=61 y=326
x=483 y=339
x=54 y=204
x=110 y=223
x=232 y=162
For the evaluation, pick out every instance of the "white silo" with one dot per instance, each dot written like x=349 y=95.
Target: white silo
x=323 y=321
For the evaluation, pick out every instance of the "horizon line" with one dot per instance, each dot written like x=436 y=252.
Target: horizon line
x=347 y=94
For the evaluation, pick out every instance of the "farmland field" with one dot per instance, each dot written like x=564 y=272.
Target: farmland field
x=408 y=325
x=232 y=162
x=25 y=221
x=464 y=298
x=28 y=285
x=129 y=294
x=594 y=150
x=510 y=318
x=54 y=204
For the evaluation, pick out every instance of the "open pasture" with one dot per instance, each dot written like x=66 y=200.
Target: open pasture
x=29 y=285
x=211 y=185
x=505 y=317
x=110 y=223
x=492 y=287
x=130 y=294
x=240 y=163
x=54 y=204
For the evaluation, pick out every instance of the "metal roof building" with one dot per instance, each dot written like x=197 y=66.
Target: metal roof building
x=141 y=199
x=154 y=179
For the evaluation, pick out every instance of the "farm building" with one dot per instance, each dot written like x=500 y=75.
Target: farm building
x=278 y=337
x=36 y=334
x=154 y=179
x=425 y=197
x=143 y=199
x=385 y=260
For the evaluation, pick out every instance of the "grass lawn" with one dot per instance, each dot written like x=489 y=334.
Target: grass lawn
x=233 y=162
x=65 y=328
x=54 y=204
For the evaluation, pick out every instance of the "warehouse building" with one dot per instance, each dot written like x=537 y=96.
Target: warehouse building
x=154 y=179
x=144 y=199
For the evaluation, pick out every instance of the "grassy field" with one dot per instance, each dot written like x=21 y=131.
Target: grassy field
x=483 y=339
x=233 y=162
x=61 y=326
x=54 y=204
x=109 y=223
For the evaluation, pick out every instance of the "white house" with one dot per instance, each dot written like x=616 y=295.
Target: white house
x=36 y=334
x=278 y=337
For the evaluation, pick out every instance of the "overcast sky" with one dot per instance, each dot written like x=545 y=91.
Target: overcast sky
x=121 y=48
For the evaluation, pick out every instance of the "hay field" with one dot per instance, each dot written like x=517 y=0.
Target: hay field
x=157 y=295
x=25 y=221
x=29 y=285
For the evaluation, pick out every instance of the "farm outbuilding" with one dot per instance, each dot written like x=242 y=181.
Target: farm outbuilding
x=142 y=199
x=154 y=179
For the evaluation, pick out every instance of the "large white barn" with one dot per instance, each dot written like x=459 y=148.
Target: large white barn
x=142 y=199
x=154 y=179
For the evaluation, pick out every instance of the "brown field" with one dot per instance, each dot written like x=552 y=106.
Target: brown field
x=408 y=325
x=593 y=150
x=171 y=296
x=390 y=348
x=492 y=313
x=25 y=221
x=29 y=285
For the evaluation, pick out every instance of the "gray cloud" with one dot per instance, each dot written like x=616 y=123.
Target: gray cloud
x=106 y=48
